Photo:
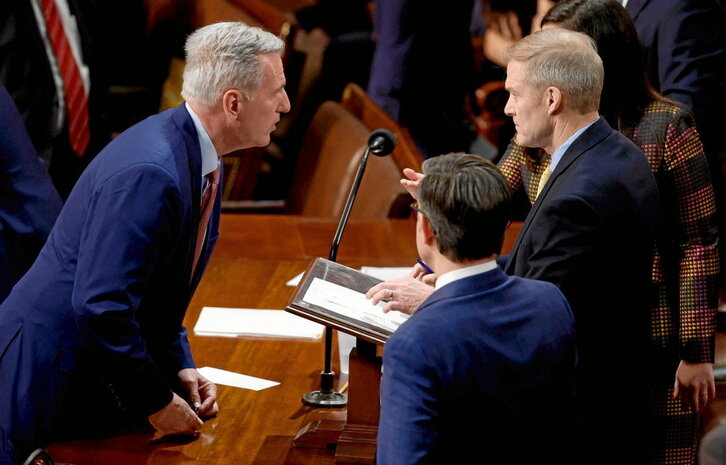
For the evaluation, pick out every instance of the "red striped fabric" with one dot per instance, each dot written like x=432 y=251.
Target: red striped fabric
x=210 y=194
x=76 y=97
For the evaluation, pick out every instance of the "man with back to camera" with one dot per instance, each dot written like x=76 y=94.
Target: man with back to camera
x=92 y=336
x=590 y=232
x=484 y=371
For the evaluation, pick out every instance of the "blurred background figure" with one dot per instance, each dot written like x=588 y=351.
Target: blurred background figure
x=423 y=69
x=685 y=48
x=48 y=66
x=29 y=204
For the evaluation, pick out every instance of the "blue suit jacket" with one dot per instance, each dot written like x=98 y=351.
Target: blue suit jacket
x=591 y=233
x=685 y=48
x=107 y=295
x=29 y=204
x=492 y=349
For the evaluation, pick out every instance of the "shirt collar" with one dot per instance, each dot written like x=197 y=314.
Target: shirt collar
x=557 y=156
x=210 y=160
x=461 y=273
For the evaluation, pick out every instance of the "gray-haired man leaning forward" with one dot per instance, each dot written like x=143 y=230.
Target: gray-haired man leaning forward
x=91 y=338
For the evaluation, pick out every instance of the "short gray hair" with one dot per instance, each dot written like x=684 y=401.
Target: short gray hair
x=225 y=56
x=564 y=59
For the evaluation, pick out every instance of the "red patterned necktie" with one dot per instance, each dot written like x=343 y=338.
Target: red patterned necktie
x=210 y=194
x=76 y=98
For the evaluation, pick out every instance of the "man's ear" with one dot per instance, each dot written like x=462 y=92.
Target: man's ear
x=428 y=234
x=232 y=102
x=553 y=97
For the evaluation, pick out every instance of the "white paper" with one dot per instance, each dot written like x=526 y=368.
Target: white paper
x=386 y=273
x=230 y=378
x=236 y=322
x=295 y=281
x=352 y=304
x=346 y=342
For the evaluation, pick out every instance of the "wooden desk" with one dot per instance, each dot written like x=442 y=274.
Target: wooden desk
x=255 y=256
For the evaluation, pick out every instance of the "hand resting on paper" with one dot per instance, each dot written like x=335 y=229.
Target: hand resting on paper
x=404 y=294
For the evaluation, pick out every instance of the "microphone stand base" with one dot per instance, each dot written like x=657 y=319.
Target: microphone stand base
x=325 y=399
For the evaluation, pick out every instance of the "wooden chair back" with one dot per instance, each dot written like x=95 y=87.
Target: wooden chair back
x=490 y=120
x=326 y=168
x=359 y=103
x=510 y=236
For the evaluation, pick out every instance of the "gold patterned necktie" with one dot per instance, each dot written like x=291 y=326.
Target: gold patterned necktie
x=543 y=179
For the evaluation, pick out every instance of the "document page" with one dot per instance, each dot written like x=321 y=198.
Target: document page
x=230 y=378
x=351 y=304
x=236 y=322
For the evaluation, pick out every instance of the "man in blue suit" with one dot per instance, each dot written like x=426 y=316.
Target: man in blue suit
x=590 y=232
x=92 y=335
x=29 y=203
x=484 y=371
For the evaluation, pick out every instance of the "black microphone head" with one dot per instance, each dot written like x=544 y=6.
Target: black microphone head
x=382 y=142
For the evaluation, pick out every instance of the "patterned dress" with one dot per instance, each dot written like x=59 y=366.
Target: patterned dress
x=685 y=266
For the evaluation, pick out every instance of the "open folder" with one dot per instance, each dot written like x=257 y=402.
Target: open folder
x=334 y=295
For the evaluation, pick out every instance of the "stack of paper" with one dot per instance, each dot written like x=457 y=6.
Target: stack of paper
x=235 y=322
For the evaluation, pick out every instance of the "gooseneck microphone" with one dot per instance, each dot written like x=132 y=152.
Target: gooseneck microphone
x=381 y=142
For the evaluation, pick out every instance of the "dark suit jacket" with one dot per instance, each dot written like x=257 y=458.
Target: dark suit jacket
x=423 y=68
x=107 y=295
x=685 y=49
x=26 y=73
x=591 y=233
x=483 y=372
x=29 y=204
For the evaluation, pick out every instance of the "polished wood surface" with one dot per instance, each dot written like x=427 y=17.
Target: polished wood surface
x=255 y=256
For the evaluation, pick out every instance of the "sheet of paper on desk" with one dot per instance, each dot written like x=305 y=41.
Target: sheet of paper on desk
x=235 y=322
x=230 y=378
x=386 y=273
x=352 y=304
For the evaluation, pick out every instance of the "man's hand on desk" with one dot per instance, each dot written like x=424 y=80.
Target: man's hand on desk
x=176 y=418
x=201 y=392
x=402 y=294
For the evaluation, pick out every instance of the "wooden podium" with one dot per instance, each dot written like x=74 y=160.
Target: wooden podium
x=353 y=432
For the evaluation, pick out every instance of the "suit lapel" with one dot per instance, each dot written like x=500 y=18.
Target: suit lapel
x=193 y=160
x=591 y=137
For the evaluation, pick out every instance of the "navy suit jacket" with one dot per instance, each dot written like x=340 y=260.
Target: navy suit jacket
x=29 y=204
x=483 y=372
x=685 y=48
x=591 y=233
x=107 y=295
x=412 y=57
